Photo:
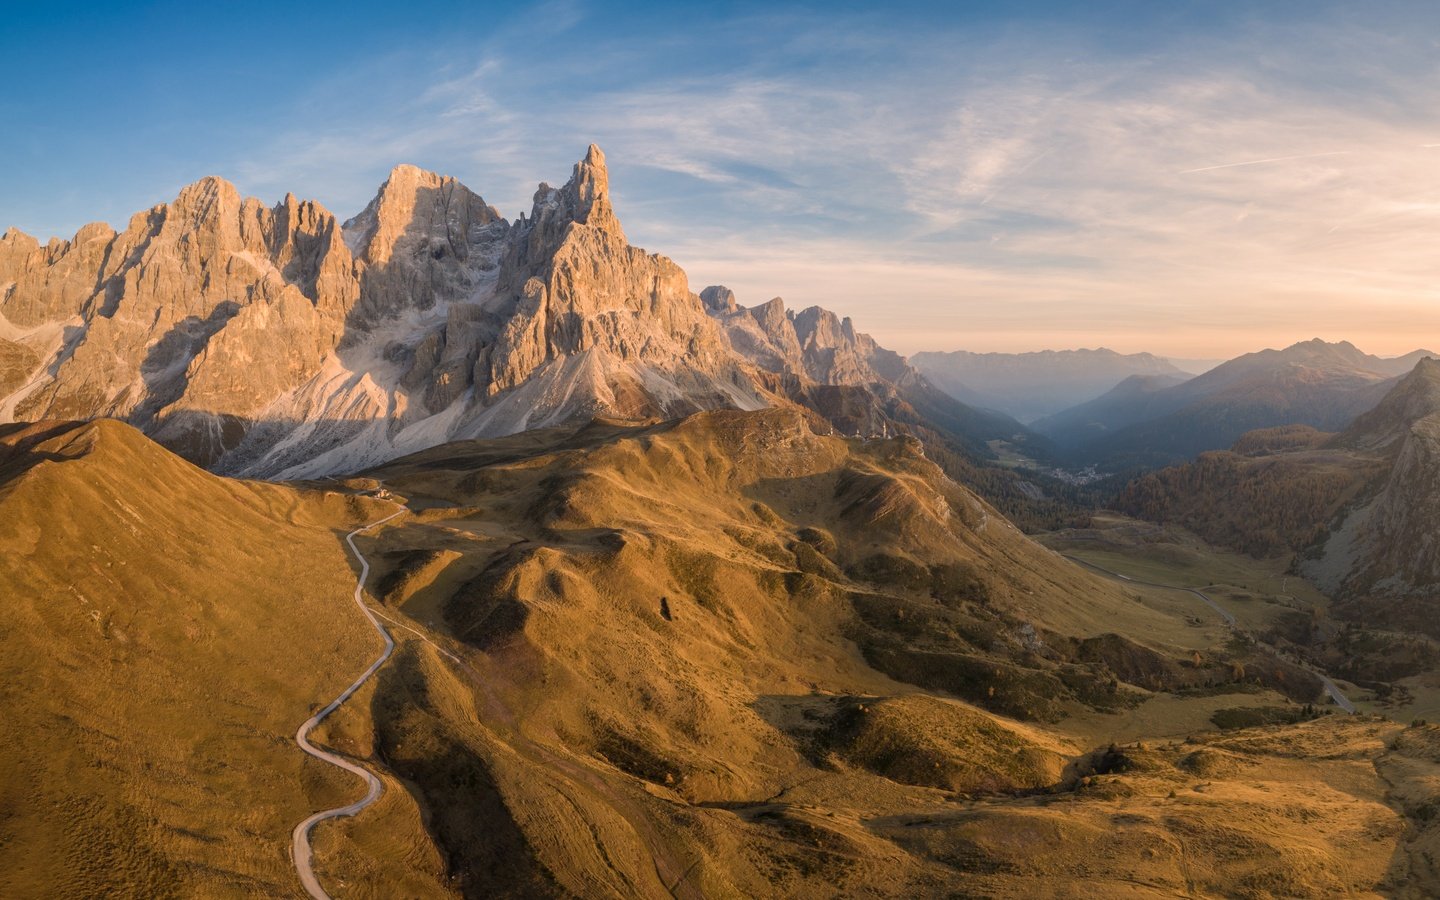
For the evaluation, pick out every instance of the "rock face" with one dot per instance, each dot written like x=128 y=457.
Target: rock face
x=274 y=342
x=1388 y=548
x=814 y=342
x=424 y=240
x=572 y=287
x=200 y=312
x=1405 y=557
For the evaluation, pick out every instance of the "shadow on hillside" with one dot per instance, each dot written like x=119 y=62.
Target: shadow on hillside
x=163 y=369
x=18 y=441
x=445 y=767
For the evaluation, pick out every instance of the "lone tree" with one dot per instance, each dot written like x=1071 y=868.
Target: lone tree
x=665 y=609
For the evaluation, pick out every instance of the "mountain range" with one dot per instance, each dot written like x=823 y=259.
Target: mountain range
x=1030 y=386
x=1357 y=506
x=281 y=343
x=1158 y=420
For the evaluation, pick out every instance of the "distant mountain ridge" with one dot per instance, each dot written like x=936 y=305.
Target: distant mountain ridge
x=1313 y=383
x=277 y=342
x=1029 y=386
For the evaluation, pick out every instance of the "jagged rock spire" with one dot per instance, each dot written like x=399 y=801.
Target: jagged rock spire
x=588 y=193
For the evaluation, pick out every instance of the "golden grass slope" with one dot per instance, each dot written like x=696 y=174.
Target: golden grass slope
x=676 y=640
x=719 y=657
x=162 y=634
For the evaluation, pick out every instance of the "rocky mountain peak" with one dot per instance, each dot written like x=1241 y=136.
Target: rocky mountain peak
x=15 y=247
x=813 y=343
x=589 y=192
x=820 y=328
x=1320 y=353
x=414 y=206
x=206 y=200
x=424 y=239
x=772 y=316
x=572 y=285
x=94 y=231
x=1414 y=397
x=274 y=341
x=584 y=200
x=718 y=298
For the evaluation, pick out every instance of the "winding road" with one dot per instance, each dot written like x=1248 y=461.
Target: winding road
x=1331 y=687
x=300 y=842
x=1224 y=613
x=1336 y=694
x=671 y=875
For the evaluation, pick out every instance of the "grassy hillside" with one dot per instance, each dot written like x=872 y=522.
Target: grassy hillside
x=725 y=656
x=779 y=663
x=162 y=634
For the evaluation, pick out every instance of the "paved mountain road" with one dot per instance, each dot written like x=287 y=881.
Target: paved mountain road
x=1336 y=694
x=300 y=842
x=1220 y=610
x=672 y=878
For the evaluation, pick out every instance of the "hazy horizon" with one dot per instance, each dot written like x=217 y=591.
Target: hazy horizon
x=1186 y=181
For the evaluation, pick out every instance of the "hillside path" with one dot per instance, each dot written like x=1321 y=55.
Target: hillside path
x=1224 y=613
x=300 y=842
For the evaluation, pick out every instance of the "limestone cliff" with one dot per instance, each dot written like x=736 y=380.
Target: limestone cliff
x=205 y=308
x=274 y=342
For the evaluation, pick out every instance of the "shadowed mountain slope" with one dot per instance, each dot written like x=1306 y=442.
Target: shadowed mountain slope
x=1383 y=557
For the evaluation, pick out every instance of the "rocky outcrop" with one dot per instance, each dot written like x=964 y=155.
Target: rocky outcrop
x=813 y=343
x=1401 y=525
x=718 y=298
x=59 y=280
x=571 y=284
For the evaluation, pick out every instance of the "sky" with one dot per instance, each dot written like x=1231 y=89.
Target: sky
x=1189 y=179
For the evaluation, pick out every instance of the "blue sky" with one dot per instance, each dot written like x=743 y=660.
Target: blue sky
x=1196 y=179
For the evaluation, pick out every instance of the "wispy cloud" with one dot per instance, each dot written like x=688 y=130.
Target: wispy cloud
x=1262 y=162
x=1196 y=192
